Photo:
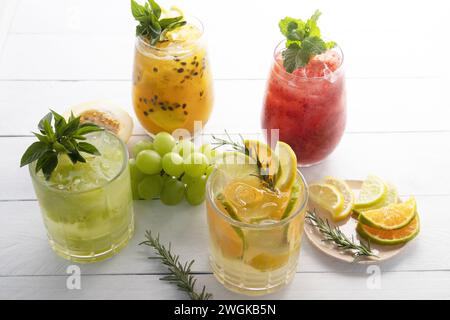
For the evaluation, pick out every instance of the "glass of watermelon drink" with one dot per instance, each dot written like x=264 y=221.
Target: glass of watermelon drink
x=308 y=106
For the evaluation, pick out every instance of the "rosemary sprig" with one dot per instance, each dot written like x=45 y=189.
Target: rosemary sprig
x=336 y=236
x=180 y=274
x=263 y=168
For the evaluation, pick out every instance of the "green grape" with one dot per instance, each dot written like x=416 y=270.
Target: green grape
x=195 y=190
x=208 y=151
x=150 y=187
x=172 y=192
x=186 y=179
x=172 y=164
x=141 y=145
x=149 y=162
x=195 y=164
x=184 y=148
x=163 y=143
x=136 y=176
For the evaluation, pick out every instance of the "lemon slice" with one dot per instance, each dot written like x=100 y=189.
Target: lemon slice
x=372 y=191
x=287 y=172
x=262 y=152
x=327 y=196
x=349 y=199
x=392 y=217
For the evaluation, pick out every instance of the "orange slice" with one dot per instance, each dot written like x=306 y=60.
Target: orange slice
x=390 y=237
x=394 y=216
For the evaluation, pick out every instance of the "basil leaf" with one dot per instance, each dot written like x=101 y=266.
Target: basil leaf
x=47 y=117
x=88 y=148
x=155 y=8
x=33 y=152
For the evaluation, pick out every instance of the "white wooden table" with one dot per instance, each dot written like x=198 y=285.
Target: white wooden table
x=56 y=53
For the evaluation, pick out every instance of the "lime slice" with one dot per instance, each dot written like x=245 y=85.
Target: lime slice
x=287 y=173
x=327 y=196
x=372 y=191
x=235 y=164
x=390 y=237
x=347 y=192
x=295 y=194
x=394 y=216
x=390 y=197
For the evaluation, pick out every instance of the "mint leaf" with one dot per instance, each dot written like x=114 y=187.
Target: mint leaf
x=297 y=56
x=311 y=28
x=289 y=24
x=303 y=41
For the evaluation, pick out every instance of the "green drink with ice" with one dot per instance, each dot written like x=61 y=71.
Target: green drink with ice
x=87 y=206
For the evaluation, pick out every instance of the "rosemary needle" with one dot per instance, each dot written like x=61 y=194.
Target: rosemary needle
x=180 y=274
x=336 y=236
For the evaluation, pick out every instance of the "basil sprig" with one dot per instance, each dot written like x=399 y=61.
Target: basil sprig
x=64 y=137
x=151 y=27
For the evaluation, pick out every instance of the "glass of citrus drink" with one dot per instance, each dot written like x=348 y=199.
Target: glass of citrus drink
x=254 y=230
x=172 y=82
x=87 y=207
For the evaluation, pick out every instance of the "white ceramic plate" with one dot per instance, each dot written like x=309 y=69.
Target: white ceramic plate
x=348 y=227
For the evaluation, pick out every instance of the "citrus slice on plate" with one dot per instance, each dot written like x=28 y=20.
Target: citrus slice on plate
x=347 y=193
x=287 y=172
x=327 y=196
x=372 y=191
x=390 y=197
x=394 y=216
x=390 y=237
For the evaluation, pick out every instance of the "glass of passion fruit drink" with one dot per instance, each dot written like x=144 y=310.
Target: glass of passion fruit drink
x=256 y=219
x=172 y=82
x=87 y=205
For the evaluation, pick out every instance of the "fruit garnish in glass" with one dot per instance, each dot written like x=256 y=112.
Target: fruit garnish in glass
x=305 y=97
x=172 y=82
x=256 y=202
x=82 y=182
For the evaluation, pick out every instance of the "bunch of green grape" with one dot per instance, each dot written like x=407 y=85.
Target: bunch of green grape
x=170 y=170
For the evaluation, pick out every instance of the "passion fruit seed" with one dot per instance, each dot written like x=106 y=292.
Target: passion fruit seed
x=163 y=105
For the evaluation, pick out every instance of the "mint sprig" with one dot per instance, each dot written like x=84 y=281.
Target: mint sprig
x=303 y=41
x=151 y=27
x=61 y=138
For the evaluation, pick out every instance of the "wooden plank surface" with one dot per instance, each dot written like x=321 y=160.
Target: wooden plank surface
x=24 y=250
x=307 y=286
x=56 y=53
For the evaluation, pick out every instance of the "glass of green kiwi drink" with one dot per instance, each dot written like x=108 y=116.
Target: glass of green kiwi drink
x=87 y=206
